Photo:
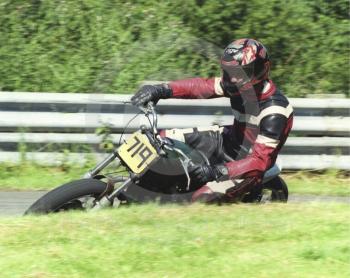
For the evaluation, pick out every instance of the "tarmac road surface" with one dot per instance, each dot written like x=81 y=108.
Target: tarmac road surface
x=15 y=203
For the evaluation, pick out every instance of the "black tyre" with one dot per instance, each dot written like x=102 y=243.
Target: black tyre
x=277 y=189
x=67 y=196
x=274 y=190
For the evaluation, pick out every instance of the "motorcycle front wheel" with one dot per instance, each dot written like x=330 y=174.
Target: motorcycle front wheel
x=78 y=194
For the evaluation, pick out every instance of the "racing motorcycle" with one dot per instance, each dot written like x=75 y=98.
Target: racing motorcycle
x=156 y=170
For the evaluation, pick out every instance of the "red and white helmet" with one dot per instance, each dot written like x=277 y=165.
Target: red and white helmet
x=244 y=62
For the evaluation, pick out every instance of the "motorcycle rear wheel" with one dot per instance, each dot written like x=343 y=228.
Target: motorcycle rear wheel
x=278 y=189
x=275 y=190
x=68 y=196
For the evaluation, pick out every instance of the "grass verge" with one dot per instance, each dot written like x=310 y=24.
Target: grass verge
x=33 y=177
x=329 y=183
x=275 y=240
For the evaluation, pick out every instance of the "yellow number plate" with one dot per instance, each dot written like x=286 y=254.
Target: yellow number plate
x=137 y=152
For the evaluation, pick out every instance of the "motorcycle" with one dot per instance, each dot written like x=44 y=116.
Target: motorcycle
x=157 y=170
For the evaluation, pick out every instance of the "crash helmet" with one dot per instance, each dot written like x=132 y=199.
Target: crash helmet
x=244 y=63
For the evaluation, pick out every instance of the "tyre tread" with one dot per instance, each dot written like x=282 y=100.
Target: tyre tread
x=65 y=193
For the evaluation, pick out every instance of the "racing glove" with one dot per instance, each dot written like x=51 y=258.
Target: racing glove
x=152 y=93
x=206 y=173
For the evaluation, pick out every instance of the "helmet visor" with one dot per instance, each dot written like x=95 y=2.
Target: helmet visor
x=239 y=75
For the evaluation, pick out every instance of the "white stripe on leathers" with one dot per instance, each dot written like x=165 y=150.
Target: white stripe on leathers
x=255 y=120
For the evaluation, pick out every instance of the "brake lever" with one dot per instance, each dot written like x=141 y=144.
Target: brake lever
x=143 y=109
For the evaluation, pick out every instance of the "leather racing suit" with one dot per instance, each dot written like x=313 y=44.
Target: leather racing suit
x=260 y=128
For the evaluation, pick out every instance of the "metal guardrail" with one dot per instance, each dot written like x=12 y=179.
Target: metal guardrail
x=321 y=127
x=292 y=162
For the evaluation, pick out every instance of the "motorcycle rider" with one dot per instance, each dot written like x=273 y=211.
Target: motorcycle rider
x=263 y=118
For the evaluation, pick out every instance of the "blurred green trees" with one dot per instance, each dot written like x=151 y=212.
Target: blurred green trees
x=111 y=46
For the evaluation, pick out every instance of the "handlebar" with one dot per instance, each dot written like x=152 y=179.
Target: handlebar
x=148 y=109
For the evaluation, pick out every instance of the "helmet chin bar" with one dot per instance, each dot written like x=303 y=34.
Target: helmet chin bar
x=231 y=91
x=233 y=88
x=247 y=90
x=250 y=80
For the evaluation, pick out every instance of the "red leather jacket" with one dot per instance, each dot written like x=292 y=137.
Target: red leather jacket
x=263 y=124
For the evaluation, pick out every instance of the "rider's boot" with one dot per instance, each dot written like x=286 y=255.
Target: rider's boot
x=206 y=195
x=225 y=192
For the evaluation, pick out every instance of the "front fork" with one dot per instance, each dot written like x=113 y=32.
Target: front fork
x=107 y=200
x=112 y=199
x=103 y=164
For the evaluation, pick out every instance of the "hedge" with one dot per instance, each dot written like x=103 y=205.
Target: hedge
x=111 y=46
